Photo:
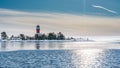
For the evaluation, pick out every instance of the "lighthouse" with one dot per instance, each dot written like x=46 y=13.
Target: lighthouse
x=37 y=29
x=37 y=35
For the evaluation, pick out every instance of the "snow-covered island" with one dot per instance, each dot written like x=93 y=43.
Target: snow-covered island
x=40 y=37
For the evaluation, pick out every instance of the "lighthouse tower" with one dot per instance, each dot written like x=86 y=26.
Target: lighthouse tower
x=37 y=35
x=37 y=29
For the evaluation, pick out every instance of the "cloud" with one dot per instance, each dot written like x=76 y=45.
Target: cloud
x=101 y=7
x=16 y=22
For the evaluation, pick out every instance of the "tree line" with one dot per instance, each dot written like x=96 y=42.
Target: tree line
x=49 y=36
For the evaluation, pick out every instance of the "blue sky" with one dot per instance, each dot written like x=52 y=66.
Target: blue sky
x=43 y=5
x=76 y=17
x=65 y=6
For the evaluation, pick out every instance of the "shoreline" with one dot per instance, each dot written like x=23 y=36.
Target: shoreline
x=73 y=40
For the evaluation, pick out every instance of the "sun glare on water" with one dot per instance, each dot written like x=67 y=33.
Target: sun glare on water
x=89 y=58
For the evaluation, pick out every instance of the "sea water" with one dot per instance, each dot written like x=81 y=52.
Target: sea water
x=59 y=54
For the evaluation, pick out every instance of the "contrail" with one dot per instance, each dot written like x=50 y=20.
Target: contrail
x=101 y=7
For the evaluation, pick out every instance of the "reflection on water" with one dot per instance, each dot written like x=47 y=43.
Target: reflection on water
x=29 y=45
x=3 y=45
x=53 y=45
x=22 y=44
x=89 y=57
x=37 y=43
x=96 y=58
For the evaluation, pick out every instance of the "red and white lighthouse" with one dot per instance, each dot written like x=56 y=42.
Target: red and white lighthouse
x=37 y=29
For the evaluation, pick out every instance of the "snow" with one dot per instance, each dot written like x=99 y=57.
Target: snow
x=72 y=40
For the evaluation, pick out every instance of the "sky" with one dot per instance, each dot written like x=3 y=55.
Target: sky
x=71 y=17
